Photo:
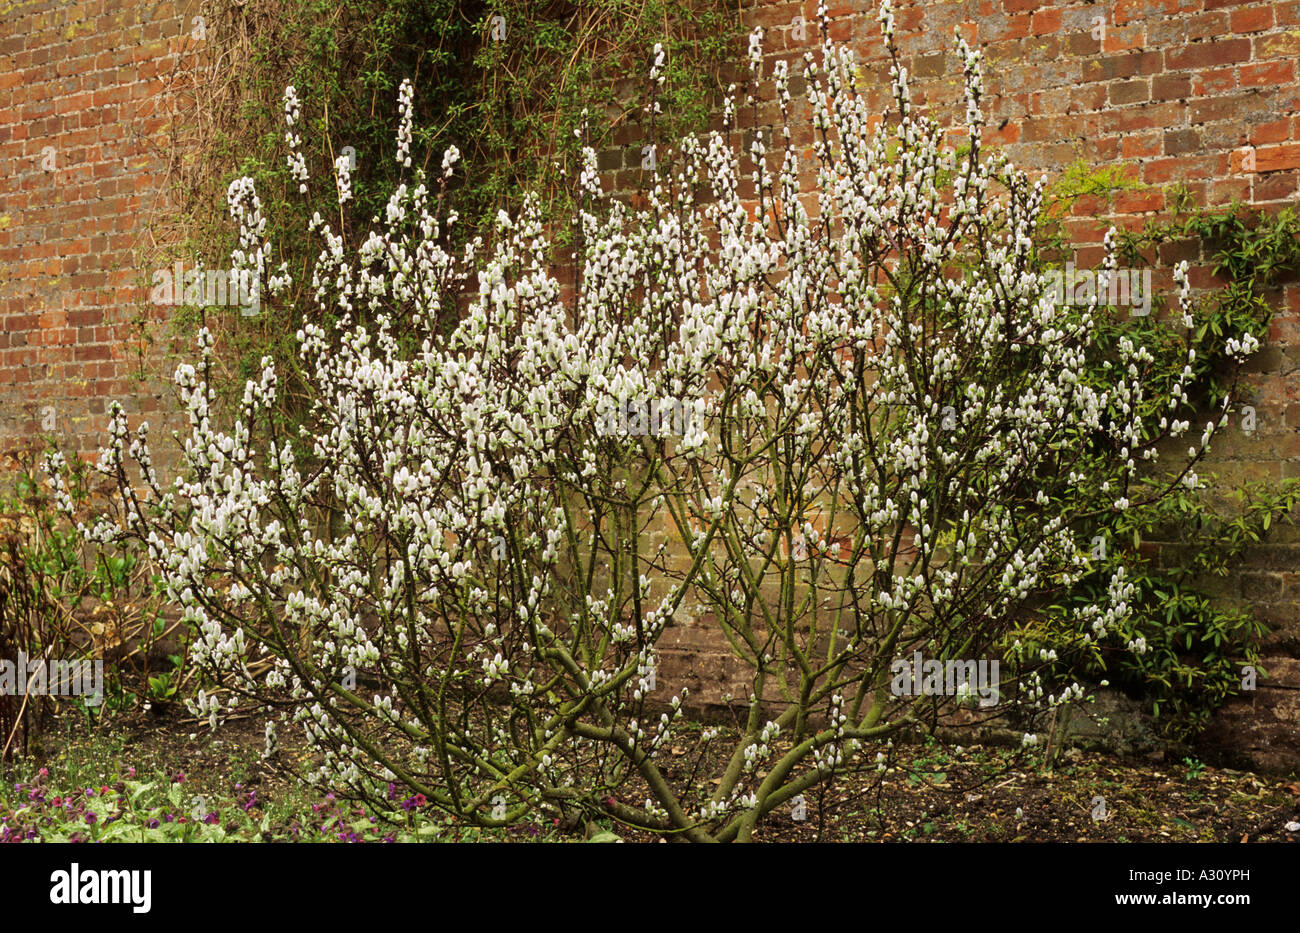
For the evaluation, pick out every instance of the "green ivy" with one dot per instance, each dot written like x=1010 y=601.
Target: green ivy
x=513 y=104
x=1197 y=642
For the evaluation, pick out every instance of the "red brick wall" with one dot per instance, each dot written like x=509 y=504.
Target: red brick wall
x=84 y=120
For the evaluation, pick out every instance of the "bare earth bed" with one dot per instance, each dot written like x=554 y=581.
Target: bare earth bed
x=931 y=793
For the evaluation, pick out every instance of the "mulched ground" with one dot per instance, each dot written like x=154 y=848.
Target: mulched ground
x=931 y=793
x=1144 y=801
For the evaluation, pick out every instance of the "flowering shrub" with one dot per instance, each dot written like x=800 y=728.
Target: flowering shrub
x=895 y=445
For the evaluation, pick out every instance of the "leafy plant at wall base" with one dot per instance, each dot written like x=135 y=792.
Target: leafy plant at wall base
x=1196 y=643
x=64 y=601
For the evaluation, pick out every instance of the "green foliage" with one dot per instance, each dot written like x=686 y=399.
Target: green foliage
x=1196 y=643
x=513 y=106
x=161 y=687
x=1253 y=251
x=64 y=599
x=88 y=794
x=166 y=809
x=1079 y=179
x=1249 y=248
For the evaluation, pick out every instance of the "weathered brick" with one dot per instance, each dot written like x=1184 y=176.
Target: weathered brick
x=1278 y=186
x=1268 y=73
x=1124 y=38
x=1046 y=21
x=1271 y=158
x=1278 y=45
x=1208 y=54
x=1181 y=142
x=1210 y=25
x=1253 y=19
x=1141 y=145
x=1213 y=81
x=1129 y=92
x=1273 y=132
x=1170 y=87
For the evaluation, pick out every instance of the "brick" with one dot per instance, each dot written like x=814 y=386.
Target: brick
x=1213 y=81
x=1129 y=92
x=1278 y=45
x=1081 y=43
x=1213 y=25
x=1261 y=587
x=1208 y=54
x=1179 y=251
x=1123 y=65
x=1088 y=98
x=1277 y=186
x=1141 y=145
x=1273 y=132
x=1253 y=19
x=1105 y=149
x=1181 y=142
x=1267 y=74
x=1046 y=21
x=1220 y=108
x=1017 y=26
x=1171 y=87
x=1269 y=158
x=1124 y=38
x=1149 y=116
x=1138 y=202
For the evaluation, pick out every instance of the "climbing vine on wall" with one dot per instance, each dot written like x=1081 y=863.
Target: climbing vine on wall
x=509 y=83
x=1198 y=645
